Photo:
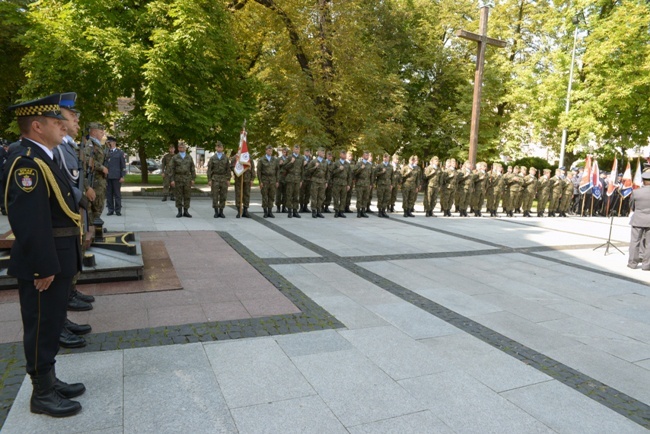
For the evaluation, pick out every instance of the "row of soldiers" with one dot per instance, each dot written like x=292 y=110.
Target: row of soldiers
x=295 y=181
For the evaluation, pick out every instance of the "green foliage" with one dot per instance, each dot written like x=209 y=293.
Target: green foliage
x=536 y=162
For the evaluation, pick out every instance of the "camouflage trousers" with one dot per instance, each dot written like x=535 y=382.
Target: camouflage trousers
x=166 y=184
x=542 y=201
x=463 y=199
x=409 y=196
x=554 y=202
x=348 y=197
x=268 y=193
x=328 y=195
x=368 y=202
x=219 y=190
x=339 y=195
x=293 y=194
x=280 y=194
x=446 y=199
x=305 y=192
x=477 y=200
x=513 y=199
x=432 y=198
x=383 y=196
x=183 y=192
x=317 y=195
x=393 y=195
x=527 y=201
x=246 y=196
x=362 y=196
x=97 y=205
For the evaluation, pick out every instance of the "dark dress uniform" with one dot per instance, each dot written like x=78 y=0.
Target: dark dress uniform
x=116 y=170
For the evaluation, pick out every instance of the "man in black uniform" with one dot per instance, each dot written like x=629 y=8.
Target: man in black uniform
x=46 y=253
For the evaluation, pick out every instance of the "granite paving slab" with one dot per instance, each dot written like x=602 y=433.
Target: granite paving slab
x=422 y=421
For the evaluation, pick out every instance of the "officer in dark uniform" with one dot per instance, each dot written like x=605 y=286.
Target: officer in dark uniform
x=46 y=253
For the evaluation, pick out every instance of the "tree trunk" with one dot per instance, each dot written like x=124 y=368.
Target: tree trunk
x=142 y=154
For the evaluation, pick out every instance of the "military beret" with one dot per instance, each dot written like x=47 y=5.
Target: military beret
x=219 y=144
x=321 y=149
x=111 y=139
x=47 y=106
x=269 y=147
x=95 y=126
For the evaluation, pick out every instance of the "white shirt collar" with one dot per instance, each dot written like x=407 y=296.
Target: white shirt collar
x=44 y=148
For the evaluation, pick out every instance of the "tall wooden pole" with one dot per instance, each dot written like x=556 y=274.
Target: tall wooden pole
x=478 y=86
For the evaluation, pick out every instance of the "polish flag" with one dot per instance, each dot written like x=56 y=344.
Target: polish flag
x=611 y=187
x=243 y=157
x=585 y=181
x=638 y=182
x=628 y=185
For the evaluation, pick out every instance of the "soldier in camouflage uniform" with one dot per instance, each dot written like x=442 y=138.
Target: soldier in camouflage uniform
x=383 y=174
x=243 y=185
x=305 y=187
x=366 y=207
x=219 y=180
x=362 y=175
x=340 y=178
x=182 y=174
x=328 y=190
x=281 y=192
x=493 y=189
x=97 y=155
x=464 y=188
x=567 y=196
x=557 y=187
x=514 y=184
x=520 y=198
x=543 y=192
x=411 y=181
x=396 y=181
x=317 y=172
x=164 y=169
x=267 y=173
x=348 y=197
x=448 y=187
x=479 y=189
x=294 y=168
x=433 y=177
x=530 y=191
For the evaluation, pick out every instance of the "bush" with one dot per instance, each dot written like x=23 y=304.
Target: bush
x=538 y=163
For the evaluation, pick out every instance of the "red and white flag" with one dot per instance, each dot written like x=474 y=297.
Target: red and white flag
x=611 y=185
x=243 y=157
x=585 y=181
x=638 y=182
x=628 y=185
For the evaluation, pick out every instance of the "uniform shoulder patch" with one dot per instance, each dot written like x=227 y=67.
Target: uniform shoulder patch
x=26 y=178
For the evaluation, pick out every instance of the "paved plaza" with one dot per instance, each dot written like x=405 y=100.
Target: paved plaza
x=400 y=325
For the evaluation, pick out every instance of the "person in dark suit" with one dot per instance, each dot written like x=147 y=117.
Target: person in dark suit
x=116 y=172
x=640 y=222
x=46 y=253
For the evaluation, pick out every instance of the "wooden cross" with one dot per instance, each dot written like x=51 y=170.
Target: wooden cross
x=483 y=41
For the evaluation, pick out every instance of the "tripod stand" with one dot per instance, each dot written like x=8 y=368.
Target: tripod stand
x=609 y=240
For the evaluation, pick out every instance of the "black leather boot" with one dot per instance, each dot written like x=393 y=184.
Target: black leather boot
x=216 y=213
x=326 y=210
x=406 y=213
x=46 y=400
x=186 y=213
x=313 y=213
x=238 y=213
x=246 y=214
x=164 y=199
x=347 y=209
x=78 y=305
x=266 y=213
x=278 y=209
x=342 y=215
x=290 y=214
x=180 y=213
x=81 y=296
x=295 y=213
x=336 y=213
x=319 y=215
x=271 y=213
x=359 y=214
x=77 y=329
x=67 y=339
x=284 y=209
x=68 y=391
x=221 y=216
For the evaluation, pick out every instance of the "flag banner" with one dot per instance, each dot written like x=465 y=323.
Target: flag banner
x=611 y=186
x=628 y=185
x=585 y=181
x=596 y=184
x=638 y=182
x=243 y=157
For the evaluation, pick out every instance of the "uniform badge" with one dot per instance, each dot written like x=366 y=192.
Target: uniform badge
x=26 y=178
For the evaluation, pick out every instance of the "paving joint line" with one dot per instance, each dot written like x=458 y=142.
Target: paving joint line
x=626 y=405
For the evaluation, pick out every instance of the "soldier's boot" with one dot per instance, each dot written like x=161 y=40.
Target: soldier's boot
x=358 y=213
x=284 y=209
x=406 y=213
x=368 y=210
x=342 y=215
x=67 y=391
x=411 y=213
x=216 y=213
x=290 y=214
x=295 y=214
x=164 y=199
x=67 y=339
x=336 y=213
x=278 y=209
x=171 y=197
x=238 y=213
x=363 y=213
x=221 y=213
x=180 y=213
x=313 y=213
x=186 y=213
x=266 y=212
x=271 y=213
x=479 y=213
x=246 y=214
x=386 y=215
x=319 y=215
x=347 y=209
x=46 y=400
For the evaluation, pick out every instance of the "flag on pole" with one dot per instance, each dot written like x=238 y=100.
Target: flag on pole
x=611 y=186
x=243 y=157
x=628 y=185
x=585 y=181
x=638 y=182
x=596 y=184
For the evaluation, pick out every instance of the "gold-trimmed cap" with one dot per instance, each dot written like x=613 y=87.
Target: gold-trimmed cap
x=48 y=107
